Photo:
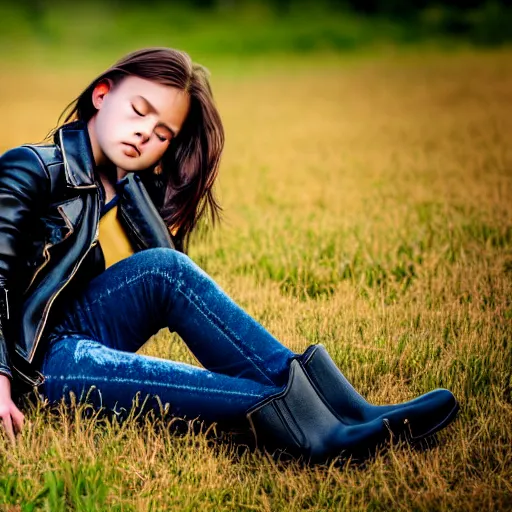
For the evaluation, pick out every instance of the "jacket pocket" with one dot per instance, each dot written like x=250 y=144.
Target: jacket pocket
x=62 y=219
x=57 y=225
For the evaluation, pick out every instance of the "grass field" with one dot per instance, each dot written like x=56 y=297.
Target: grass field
x=368 y=207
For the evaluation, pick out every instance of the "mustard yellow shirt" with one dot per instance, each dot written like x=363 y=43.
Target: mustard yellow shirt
x=112 y=237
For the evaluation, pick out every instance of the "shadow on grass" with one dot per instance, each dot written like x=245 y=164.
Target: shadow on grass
x=232 y=441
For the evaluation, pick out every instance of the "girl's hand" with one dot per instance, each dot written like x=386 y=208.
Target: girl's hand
x=10 y=416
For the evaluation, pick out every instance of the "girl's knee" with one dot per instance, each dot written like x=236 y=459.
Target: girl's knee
x=165 y=254
x=167 y=262
x=160 y=258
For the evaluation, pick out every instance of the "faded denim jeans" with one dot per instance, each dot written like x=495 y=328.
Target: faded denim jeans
x=95 y=343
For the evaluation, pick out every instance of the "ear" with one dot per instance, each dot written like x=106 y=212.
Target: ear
x=99 y=92
x=158 y=168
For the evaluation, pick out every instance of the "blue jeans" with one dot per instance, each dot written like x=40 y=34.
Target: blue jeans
x=95 y=341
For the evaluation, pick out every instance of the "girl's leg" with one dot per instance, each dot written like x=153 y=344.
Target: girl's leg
x=110 y=378
x=132 y=300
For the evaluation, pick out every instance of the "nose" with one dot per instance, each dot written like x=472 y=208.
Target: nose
x=143 y=135
x=144 y=131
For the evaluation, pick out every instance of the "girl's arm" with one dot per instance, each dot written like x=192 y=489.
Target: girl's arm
x=23 y=179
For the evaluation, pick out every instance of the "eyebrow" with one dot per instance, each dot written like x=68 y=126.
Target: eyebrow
x=151 y=107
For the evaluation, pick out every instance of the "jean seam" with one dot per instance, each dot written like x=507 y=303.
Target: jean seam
x=94 y=380
x=88 y=306
x=217 y=322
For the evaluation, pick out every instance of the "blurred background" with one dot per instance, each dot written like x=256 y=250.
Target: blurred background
x=50 y=49
x=367 y=193
x=69 y=33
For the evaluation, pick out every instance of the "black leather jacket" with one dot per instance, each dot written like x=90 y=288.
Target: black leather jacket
x=50 y=204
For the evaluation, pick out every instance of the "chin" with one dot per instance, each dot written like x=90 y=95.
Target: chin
x=131 y=166
x=128 y=163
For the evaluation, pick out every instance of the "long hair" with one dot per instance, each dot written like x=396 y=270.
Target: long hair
x=180 y=184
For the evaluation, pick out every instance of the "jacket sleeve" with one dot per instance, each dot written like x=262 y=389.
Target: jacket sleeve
x=23 y=181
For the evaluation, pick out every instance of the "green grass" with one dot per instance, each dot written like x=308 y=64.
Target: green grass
x=368 y=207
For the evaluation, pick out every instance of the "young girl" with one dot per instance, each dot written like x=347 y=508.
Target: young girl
x=93 y=232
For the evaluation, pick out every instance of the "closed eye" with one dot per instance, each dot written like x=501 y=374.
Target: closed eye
x=137 y=112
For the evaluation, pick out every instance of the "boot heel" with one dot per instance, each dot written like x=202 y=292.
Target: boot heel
x=298 y=422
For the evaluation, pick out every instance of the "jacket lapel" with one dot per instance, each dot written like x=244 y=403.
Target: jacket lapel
x=141 y=216
x=75 y=145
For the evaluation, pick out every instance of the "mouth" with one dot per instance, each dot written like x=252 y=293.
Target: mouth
x=135 y=149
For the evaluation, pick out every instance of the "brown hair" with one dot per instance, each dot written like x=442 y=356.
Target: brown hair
x=181 y=183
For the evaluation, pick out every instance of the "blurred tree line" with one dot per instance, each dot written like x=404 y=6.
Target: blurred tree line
x=481 y=21
x=246 y=27
x=487 y=22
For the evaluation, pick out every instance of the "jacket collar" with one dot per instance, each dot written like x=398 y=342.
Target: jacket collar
x=75 y=145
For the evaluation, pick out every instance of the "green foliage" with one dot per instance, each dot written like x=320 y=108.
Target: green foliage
x=63 y=32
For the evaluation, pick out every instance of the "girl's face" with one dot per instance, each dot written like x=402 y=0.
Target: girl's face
x=135 y=122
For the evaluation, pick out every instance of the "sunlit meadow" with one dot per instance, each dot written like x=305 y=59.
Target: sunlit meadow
x=367 y=206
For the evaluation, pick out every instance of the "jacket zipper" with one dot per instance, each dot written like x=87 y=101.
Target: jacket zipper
x=45 y=262
x=48 y=246
x=54 y=296
x=6 y=298
x=41 y=378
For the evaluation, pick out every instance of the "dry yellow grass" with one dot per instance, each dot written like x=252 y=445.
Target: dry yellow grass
x=368 y=206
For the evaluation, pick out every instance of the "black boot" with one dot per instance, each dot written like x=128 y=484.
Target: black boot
x=298 y=422
x=413 y=420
